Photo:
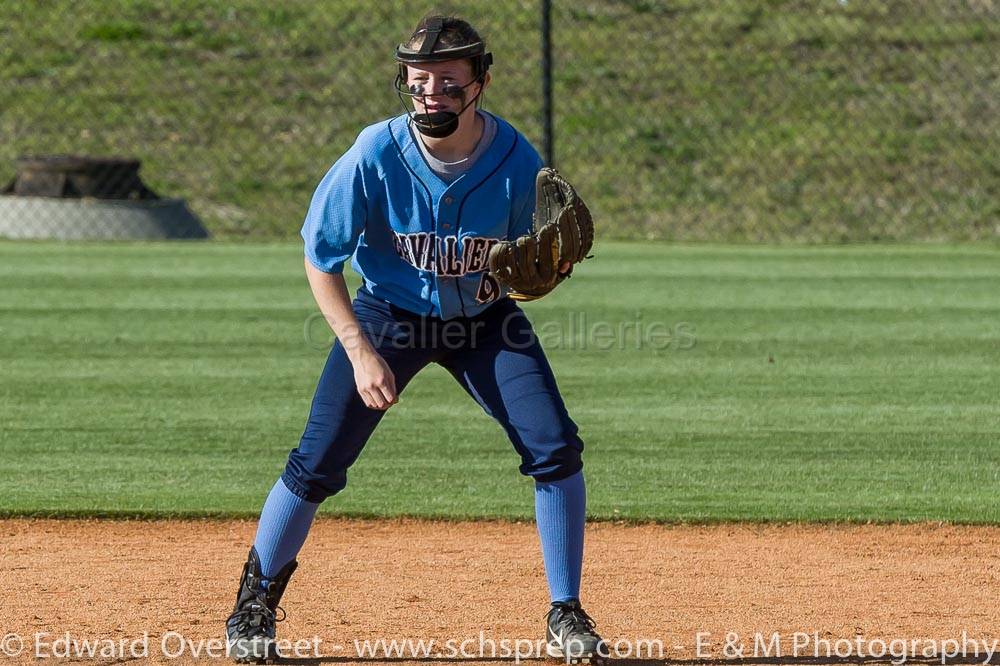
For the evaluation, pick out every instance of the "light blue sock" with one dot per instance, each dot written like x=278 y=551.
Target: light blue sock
x=284 y=524
x=561 y=512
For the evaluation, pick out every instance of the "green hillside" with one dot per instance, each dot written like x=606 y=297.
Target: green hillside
x=722 y=120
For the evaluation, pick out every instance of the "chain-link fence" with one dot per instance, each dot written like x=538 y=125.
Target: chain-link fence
x=678 y=119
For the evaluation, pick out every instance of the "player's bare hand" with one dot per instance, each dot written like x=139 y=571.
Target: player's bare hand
x=375 y=381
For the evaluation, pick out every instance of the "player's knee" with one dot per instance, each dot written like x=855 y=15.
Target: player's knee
x=554 y=472
x=555 y=462
x=310 y=486
x=317 y=467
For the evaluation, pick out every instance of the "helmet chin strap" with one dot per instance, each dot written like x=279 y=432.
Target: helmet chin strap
x=436 y=125
x=439 y=124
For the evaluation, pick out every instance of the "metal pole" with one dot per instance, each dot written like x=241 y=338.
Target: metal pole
x=548 y=141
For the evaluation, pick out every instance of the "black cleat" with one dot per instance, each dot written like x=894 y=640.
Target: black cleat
x=250 y=630
x=570 y=635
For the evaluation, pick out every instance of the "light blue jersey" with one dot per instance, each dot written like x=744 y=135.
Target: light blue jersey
x=419 y=242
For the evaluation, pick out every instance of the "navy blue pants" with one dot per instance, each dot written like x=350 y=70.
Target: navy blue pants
x=495 y=356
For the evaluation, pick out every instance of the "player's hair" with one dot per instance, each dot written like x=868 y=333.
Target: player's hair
x=456 y=32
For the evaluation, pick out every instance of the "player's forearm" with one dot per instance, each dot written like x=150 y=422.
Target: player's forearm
x=334 y=301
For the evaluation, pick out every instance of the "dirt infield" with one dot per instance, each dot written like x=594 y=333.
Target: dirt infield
x=367 y=580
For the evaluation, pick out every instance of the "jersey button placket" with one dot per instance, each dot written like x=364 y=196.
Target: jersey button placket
x=447 y=201
x=446 y=220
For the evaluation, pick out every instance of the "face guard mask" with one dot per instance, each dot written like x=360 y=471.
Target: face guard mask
x=438 y=124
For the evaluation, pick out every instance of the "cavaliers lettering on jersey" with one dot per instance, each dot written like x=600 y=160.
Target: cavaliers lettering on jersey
x=419 y=242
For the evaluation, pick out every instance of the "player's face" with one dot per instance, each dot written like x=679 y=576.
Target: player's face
x=432 y=78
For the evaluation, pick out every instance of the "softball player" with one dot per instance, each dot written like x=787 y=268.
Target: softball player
x=418 y=201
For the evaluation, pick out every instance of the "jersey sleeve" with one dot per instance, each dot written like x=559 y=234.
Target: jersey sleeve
x=524 y=207
x=337 y=214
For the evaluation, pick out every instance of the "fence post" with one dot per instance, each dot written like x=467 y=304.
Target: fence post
x=548 y=140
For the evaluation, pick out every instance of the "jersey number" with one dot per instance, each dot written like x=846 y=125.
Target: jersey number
x=489 y=289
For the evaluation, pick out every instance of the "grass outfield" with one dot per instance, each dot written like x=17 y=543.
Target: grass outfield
x=826 y=383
